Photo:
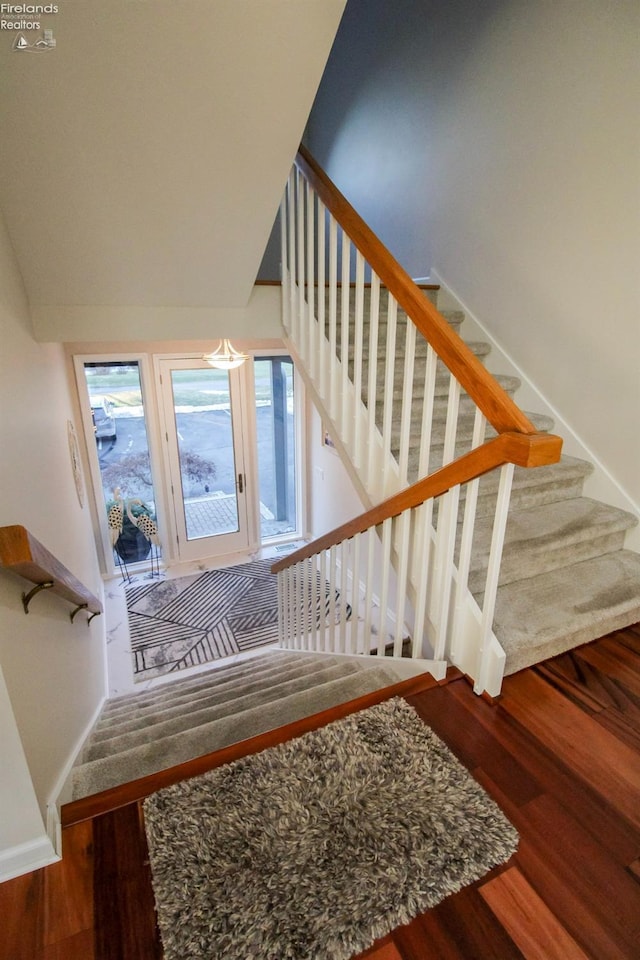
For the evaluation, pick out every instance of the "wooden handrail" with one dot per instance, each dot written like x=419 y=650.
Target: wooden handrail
x=21 y=553
x=497 y=406
x=522 y=449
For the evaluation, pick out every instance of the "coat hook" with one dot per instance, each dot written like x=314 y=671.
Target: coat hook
x=81 y=606
x=28 y=597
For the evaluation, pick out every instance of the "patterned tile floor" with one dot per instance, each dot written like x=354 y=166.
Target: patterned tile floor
x=119 y=660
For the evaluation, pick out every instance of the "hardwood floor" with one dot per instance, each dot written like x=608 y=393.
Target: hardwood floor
x=560 y=752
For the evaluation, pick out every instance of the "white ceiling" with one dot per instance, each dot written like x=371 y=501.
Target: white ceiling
x=143 y=158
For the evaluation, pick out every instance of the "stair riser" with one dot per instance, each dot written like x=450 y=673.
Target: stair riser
x=383 y=302
x=569 y=608
x=194 y=742
x=453 y=319
x=200 y=717
x=522 y=498
x=207 y=698
x=521 y=564
x=191 y=686
x=466 y=407
x=421 y=351
x=442 y=379
x=464 y=436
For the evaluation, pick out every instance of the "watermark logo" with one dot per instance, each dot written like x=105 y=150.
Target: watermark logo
x=23 y=20
x=45 y=42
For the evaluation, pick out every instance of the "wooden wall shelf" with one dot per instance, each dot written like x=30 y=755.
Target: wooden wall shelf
x=21 y=553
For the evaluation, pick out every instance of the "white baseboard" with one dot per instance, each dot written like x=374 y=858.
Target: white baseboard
x=61 y=791
x=601 y=485
x=25 y=857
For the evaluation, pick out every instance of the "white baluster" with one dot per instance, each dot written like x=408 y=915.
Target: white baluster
x=387 y=390
x=344 y=572
x=291 y=231
x=282 y=623
x=402 y=551
x=374 y=313
x=322 y=298
x=422 y=557
x=407 y=402
x=368 y=593
x=313 y=603
x=355 y=593
x=384 y=588
x=445 y=546
x=427 y=412
x=291 y=608
x=466 y=540
x=309 y=325
x=358 y=449
x=451 y=428
x=333 y=315
x=322 y=603
x=307 y=604
x=332 y=598
x=346 y=417
x=493 y=574
x=301 y=262
x=284 y=260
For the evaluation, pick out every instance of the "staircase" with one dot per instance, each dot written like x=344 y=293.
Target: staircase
x=565 y=577
x=497 y=559
x=142 y=733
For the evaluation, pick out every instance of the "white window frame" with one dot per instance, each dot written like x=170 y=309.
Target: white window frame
x=153 y=431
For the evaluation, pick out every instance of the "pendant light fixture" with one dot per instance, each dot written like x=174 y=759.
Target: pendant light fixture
x=225 y=357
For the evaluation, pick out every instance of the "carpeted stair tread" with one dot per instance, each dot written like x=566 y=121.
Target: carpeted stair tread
x=556 y=611
x=548 y=484
x=267 y=670
x=184 y=685
x=464 y=434
x=204 y=713
x=176 y=698
x=480 y=348
x=155 y=755
x=217 y=696
x=548 y=536
x=553 y=530
x=441 y=393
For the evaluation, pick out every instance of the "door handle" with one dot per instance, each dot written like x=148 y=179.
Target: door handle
x=240 y=483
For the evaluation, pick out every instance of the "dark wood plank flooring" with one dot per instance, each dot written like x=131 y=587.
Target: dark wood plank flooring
x=560 y=752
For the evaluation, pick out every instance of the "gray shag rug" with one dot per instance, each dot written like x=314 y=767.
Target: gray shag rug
x=313 y=849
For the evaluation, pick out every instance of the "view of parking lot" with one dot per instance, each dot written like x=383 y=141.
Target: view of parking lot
x=205 y=441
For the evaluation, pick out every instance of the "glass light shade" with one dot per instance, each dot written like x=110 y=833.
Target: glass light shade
x=225 y=357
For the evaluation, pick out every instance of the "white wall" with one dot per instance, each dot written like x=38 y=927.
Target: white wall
x=521 y=148
x=144 y=158
x=54 y=670
x=261 y=317
x=332 y=497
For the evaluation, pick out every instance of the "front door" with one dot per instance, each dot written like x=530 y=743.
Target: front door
x=203 y=430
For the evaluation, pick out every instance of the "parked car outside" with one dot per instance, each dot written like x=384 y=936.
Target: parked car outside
x=104 y=423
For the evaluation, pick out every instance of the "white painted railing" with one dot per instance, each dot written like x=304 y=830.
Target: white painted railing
x=399 y=413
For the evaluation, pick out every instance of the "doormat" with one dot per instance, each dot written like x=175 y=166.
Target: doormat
x=181 y=623
x=313 y=849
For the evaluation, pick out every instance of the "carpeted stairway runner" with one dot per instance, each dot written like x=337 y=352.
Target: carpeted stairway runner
x=565 y=578
x=140 y=734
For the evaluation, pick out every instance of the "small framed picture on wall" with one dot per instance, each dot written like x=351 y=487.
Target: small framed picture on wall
x=327 y=440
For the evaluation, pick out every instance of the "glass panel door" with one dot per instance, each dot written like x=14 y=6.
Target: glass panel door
x=203 y=432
